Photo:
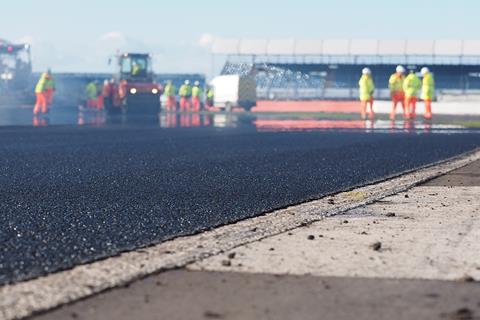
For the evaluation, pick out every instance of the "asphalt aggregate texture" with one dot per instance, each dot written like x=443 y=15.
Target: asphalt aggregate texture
x=72 y=195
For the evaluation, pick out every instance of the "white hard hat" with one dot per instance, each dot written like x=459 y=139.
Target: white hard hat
x=197 y=83
x=425 y=70
x=187 y=81
x=400 y=69
x=366 y=71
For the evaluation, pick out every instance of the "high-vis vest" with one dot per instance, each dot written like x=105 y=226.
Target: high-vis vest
x=41 y=84
x=428 y=87
x=185 y=91
x=91 y=91
x=395 y=84
x=210 y=94
x=170 y=90
x=367 y=88
x=411 y=85
x=196 y=92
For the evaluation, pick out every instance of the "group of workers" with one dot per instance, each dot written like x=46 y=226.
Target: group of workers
x=44 y=92
x=404 y=90
x=98 y=95
x=190 y=97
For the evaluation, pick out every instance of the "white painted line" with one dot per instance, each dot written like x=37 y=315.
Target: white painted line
x=26 y=298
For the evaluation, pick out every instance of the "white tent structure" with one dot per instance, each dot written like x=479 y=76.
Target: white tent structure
x=415 y=51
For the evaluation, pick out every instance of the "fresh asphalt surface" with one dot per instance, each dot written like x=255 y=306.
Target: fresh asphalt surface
x=70 y=194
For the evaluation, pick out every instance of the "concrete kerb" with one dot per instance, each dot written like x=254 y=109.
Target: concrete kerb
x=30 y=297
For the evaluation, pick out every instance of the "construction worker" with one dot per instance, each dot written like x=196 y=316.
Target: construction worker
x=49 y=88
x=40 y=89
x=91 y=94
x=411 y=86
x=367 y=88
x=170 y=94
x=137 y=69
x=395 y=85
x=185 y=96
x=428 y=91
x=210 y=98
x=196 y=96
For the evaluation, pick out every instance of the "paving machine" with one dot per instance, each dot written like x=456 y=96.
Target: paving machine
x=133 y=87
x=15 y=72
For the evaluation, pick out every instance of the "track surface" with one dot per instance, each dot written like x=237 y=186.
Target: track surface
x=70 y=195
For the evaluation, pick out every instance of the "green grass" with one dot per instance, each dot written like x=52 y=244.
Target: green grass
x=467 y=124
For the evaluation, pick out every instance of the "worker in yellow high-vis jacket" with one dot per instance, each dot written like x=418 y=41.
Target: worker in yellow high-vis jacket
x=40 y=89
x=411 y=86
x=170 y=93
x=428 y=91
x=367 y=89
x=395 y=84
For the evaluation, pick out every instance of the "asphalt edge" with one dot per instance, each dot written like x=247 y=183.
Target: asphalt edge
x=27 y=298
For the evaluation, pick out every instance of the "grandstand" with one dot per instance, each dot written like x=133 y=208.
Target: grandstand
x=329 y=69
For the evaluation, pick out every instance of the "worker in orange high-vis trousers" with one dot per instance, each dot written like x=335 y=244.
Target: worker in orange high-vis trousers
x=395 y=84
x=185 y=93
x=169 y=93
x=367 y=89
x=428 y=91
x=196 y=97
x=411 y=87
x=50 y=88
x=91 y=93
x=40 y=89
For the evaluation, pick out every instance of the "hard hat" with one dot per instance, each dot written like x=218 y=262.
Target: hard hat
x=169 y=81
x=366 y=71
x=400 y=69
x=197 y=83
x=187 y=82
x=425 y=70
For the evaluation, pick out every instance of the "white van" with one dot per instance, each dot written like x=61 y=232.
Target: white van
x=233 y=91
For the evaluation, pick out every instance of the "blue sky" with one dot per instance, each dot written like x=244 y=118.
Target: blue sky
x=71 y=35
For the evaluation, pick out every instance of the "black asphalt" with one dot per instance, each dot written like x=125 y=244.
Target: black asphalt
x=70 y=195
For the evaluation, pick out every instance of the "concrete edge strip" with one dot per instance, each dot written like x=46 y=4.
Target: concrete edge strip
x=30 y=297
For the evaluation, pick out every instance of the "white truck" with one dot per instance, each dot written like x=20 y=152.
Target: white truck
x=234 y=91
